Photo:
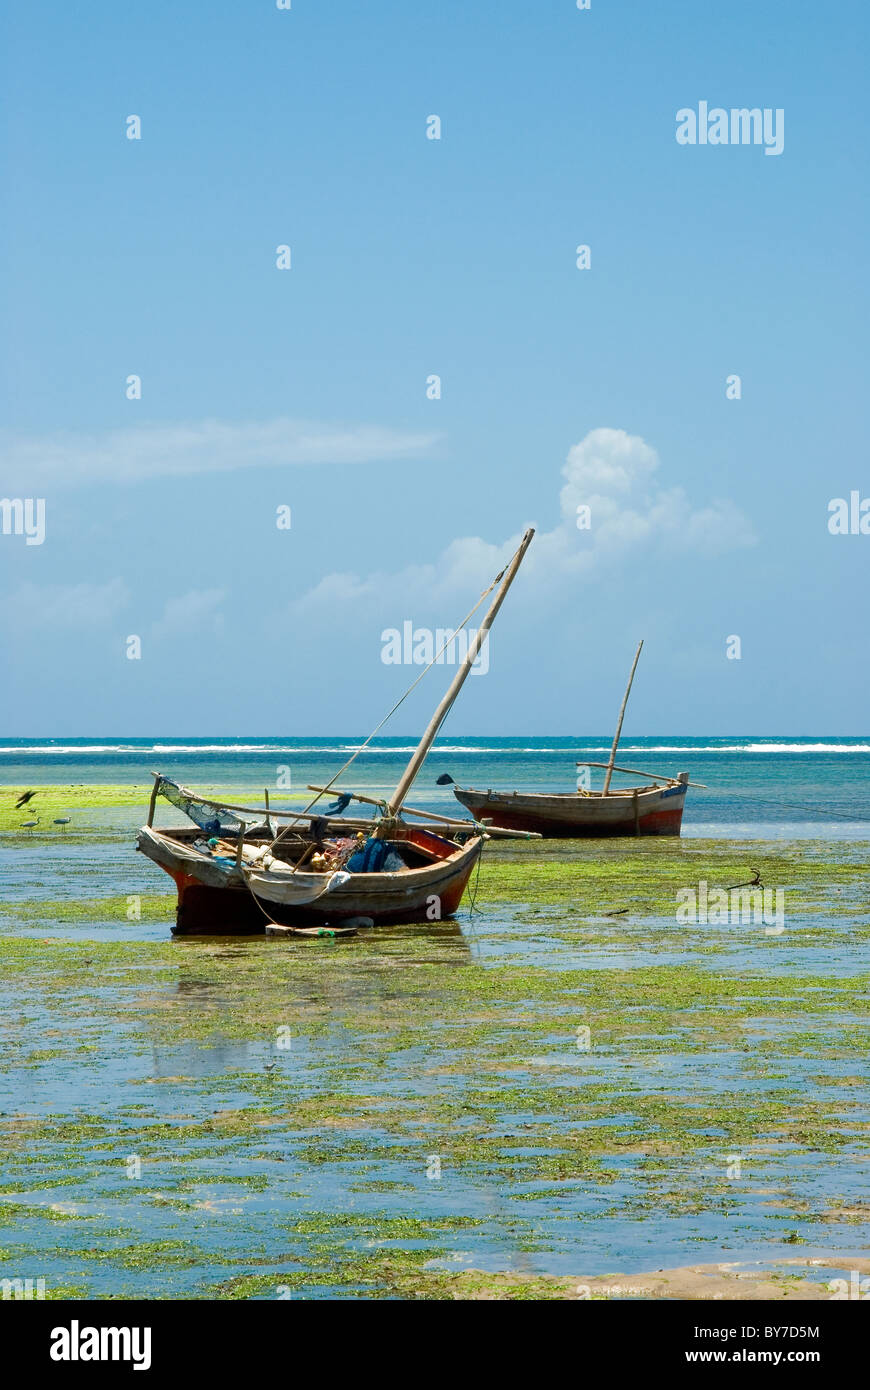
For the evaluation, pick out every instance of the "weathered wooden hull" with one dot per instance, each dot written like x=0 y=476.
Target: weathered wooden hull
x=651 y=811
x=412 y=895
x=215 y=899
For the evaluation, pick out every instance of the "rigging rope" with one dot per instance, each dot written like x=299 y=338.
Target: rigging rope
x=391 y=712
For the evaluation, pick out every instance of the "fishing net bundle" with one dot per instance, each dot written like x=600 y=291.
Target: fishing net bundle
x=373 y=855
x=210 y=816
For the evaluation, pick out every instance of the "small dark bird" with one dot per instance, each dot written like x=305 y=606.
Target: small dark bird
x=754 y=882
x=23 y=799
x=270 y=1067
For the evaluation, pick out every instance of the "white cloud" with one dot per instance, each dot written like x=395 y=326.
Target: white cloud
x=613 y=473
x=196 y=611
x=206 y=446
x=610 y=471
x=64 y=605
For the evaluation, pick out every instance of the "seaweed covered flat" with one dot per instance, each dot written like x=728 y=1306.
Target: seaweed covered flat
x=565 y=1089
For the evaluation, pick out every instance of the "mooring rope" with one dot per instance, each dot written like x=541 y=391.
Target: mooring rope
x=472 y=892
x=801 y=806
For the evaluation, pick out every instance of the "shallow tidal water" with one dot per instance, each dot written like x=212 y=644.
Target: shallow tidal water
x=377 y=1116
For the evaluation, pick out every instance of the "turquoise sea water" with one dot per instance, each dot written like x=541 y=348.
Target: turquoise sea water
x=756 y=786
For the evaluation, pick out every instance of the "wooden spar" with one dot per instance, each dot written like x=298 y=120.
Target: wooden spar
x=348 y=822
x=153 y=801
x=417 y=757
x=411 y=810
x=249 y=810
x=430 y=815
x=636 y=772
x=345 y=822
x=612 y=759
x=357 y=796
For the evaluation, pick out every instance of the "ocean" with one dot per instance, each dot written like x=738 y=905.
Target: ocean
x=755 y=787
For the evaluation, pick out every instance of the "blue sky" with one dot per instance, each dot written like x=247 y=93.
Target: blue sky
x=411 y=257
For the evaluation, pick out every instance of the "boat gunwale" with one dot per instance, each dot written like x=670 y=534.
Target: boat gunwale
x=569 y=798
x=425 y=873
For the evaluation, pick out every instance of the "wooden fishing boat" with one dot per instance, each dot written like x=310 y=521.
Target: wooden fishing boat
x=220 y=891
x=312 y=875
x=654 y=809
x=651 y=810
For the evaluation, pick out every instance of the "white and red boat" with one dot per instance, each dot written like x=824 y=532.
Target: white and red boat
x=652 y=809
x=648 y=810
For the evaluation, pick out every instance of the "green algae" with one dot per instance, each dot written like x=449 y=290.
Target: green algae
x=406 y=1046
x=150 y=907
x=81 y=801
x=12 y=1213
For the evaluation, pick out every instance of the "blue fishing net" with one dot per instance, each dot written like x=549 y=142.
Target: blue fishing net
x=375 y=857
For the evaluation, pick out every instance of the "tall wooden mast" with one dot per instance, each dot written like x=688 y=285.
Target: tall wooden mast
x=612 y=759
x=419 y=754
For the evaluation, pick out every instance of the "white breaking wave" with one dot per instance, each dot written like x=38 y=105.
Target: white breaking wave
x=158 y=748
x=743 y=748
x=807 y=748
x=572 y=747
x=436 y=748
x=216 y=748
